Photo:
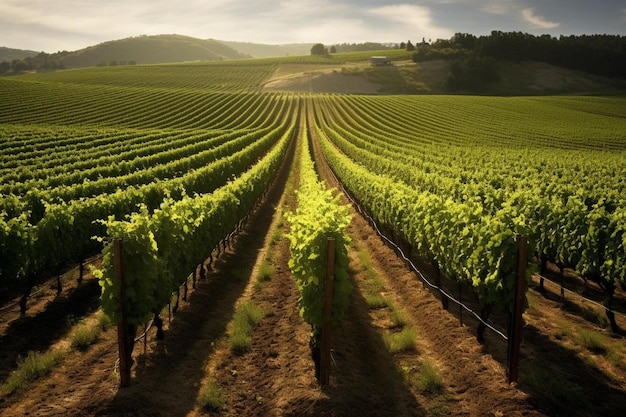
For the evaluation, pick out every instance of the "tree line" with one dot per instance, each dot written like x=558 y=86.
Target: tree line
x=596 y=54
x=40 y=62
x=48 y=62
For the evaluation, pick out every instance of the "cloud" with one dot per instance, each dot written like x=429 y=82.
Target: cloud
x=408 y=19
x=73 y=24
x=498 y=7
x=537 y=21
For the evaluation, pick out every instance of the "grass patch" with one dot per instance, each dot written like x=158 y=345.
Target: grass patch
x=375 y=282
x=247 y=316
x=265 y=272
x=428 y=378
x=592 y=341
x=398 y=318
x=376 y=301
x=103 y=320
x=404 y=340
x=84 y=336
x=615 y=356
x=210 y=397
x=240 y=343
x=277 y=235
x=33 y=366
x=563 y=330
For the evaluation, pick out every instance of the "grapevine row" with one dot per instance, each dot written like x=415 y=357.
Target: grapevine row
x=65 y=230
x=161 y=248
x=459 y=239
x=318 y=217
x=571 y=225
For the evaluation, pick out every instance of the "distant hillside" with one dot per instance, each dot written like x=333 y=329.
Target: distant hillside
x=149 y=50
x=352 y=73
x=257 y=50
x=9 y=54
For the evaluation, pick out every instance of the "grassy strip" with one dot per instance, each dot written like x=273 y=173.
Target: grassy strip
x=573 y=336
x=30 y=368
x=211 y=397
x=246 y=318
x=37 y=364
x=402 y=341
x=400 y=337
x=84 y=335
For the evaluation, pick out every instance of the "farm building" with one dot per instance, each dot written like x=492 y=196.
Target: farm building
x=380 y=60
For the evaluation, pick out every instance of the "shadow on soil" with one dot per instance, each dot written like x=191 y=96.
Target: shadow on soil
x=573 y=301
x=176 y=365
x=366 y=381
x=43 y=329
x=557 y=379
x=559 y=382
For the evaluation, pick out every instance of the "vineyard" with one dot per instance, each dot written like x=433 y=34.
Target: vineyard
x=177 y=160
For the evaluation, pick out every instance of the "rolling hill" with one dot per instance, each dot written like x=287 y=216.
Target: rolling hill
x=156 y=49
x=258 y=50
x=9 y=54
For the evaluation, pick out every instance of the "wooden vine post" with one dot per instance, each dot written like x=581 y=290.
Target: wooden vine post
x=328 y=311
x=515 y=334
x=122 y=326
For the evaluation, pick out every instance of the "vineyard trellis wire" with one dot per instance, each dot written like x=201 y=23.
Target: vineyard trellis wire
x=45 y=285
x=411 y=264
x=580 y=296
x=442 y=290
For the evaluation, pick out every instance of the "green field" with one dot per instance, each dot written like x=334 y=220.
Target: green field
x=456 y=176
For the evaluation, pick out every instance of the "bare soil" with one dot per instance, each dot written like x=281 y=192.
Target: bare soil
x=324 y=82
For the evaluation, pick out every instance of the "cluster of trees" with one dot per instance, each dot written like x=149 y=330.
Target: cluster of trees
x=48 y=62
x=410 y=47
x=41 y=62
x=597 y=54
x=45 y=62
x=472 y=74
x=320 y=49
x=365 y=46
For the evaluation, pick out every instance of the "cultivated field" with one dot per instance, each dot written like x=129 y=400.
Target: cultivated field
x=198 y=168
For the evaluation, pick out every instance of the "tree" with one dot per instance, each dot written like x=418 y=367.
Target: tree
x=410 y=46
x=472 y=74
x=333 y=49
x=318 y=49
x=464 y=40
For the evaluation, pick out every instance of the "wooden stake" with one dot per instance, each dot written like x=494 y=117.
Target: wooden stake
x=122 y=326
x=515 y=336
x=328 y=313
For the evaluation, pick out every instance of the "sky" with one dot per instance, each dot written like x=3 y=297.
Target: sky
x=56 y=25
